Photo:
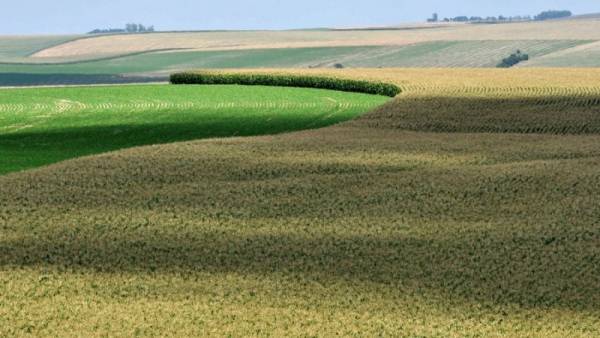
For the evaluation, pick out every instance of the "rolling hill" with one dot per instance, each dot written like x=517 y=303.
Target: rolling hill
x=122 y=44
x=130 y=57
x=406 y=221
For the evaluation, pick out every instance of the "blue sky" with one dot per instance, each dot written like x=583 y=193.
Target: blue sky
x=77 y=16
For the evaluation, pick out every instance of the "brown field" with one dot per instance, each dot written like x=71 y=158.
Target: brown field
x=407 y=221
x=583 y=29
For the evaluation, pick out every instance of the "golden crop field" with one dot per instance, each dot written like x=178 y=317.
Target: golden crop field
x=581 y=29
x=468 y=206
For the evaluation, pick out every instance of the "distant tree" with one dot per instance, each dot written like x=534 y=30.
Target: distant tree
x=107 y=31
x=129 y=28
x=547 y=15
x=338 y=66
x=132 y=28
x=434 y=18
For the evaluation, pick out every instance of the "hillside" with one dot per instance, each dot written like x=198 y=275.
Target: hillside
x=19 y=48
x=429 y=54
x=122 y=44
x=150 y=57
x=405 y=221
x=585 y=55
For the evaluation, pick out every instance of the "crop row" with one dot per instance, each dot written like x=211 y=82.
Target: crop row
x=150 y=105
x=281 y=80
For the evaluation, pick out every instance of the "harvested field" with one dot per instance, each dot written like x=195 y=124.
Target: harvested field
x=366 y=228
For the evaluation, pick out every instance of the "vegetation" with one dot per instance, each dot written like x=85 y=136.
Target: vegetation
x=47 y=125
x=346 y=85
x=513 y=59
x=547 y=15
x=489 y=19
x=129 y=28
x=367 y=228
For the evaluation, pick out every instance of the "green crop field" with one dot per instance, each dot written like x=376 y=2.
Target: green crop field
x=46 y=125
x=465 y=207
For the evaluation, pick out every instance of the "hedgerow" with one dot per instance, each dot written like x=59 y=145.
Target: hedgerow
x=346 y=85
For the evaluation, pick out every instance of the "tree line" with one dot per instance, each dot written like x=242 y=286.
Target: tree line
x=129 y=28
x=546 y=15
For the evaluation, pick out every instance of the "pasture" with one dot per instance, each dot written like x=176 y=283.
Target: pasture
x=39 y=126
x=467 y=206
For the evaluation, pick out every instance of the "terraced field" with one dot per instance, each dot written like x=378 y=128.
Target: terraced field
x=47 y=125
x=406 y=221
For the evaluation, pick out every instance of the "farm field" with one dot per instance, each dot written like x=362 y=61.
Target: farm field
x=39 y=126
x=135 y=58
x=19 y=48
x=579 y=29
x=428 y=54
x=587 y=55
x=467 y=206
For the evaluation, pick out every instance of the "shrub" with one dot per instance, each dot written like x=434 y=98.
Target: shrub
x=338 y=66
x=513 y=59
x=377 y=88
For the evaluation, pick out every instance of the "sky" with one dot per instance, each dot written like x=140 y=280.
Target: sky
x=80 y=16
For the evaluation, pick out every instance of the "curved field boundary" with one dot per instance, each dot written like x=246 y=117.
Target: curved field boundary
x=319 y=82
x=40 y=126
x=30 y=54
